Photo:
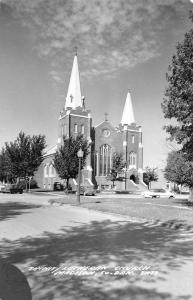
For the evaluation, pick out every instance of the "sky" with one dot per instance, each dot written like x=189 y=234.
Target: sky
x=122 y=45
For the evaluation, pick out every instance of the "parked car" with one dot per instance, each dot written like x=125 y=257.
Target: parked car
x=58 y=186
x=12 y=189
x=2 y=186
x=87 y=191
x=157 y=193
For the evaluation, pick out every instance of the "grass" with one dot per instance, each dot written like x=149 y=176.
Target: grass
x=136 y=208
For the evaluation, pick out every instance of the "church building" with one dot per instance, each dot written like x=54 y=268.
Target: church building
x=104 y=140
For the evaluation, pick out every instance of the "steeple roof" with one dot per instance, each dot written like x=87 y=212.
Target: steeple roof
x=128 y=114
x=74 y=98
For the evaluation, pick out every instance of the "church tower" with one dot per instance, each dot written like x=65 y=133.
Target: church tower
x=74 y=119
x=132 y=142
x=125 y=140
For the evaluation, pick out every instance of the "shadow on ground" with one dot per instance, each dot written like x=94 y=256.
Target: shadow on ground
x=10 y=210
x=184 y=202
x=97 y=244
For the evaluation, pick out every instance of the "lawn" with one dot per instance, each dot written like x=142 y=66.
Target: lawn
x=173 y=213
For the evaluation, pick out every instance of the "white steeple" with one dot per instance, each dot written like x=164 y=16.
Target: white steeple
x=128 y=114
x=74 y=98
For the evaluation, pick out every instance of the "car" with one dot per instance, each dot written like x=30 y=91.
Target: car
x=87 y=191
x=12 y=189
x=58 y=186
x=157 y=193
x=2 y=186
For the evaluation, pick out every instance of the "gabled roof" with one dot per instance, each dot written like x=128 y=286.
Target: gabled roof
x=50 y=151
x=105 y=124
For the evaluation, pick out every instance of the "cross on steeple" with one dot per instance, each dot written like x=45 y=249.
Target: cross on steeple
x=106 y=114
x=71 y=98
x=83 y=102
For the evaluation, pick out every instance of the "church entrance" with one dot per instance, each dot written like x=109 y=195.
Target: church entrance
x=133 y=177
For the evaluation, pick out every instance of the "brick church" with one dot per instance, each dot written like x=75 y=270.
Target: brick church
x=75 y=119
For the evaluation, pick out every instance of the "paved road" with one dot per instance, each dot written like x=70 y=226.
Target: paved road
x=135 y=260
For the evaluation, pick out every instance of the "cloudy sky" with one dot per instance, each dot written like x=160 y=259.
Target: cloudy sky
x=122 y=44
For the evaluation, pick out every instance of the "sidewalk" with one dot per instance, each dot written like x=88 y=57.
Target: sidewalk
x=52 y=246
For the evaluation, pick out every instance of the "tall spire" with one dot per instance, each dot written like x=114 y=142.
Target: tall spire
x=73 y=98
x=128 y=114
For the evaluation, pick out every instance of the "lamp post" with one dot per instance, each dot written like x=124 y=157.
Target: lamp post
x=80 y=154
x=125 y=145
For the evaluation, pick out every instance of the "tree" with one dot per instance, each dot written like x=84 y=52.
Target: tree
x=22 y=157
x=179 y=170
x=150 y=175
x=178 y=101
x=5 y=167
x=66 y=160
x=117 y=166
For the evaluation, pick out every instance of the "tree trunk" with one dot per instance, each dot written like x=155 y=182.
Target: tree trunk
x=191 y=194
x=26 y=185
x=67 y=183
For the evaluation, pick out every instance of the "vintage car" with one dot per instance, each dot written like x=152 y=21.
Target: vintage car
x=158 y=193
x=12 y=189
x=87 y=191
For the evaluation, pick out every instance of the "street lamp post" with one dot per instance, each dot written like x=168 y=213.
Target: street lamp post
x=125 y=145
x=80 y=154
x=30 y=178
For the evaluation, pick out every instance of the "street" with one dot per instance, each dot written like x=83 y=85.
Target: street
x=57 y=247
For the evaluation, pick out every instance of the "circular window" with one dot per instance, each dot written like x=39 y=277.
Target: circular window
x=106 y=132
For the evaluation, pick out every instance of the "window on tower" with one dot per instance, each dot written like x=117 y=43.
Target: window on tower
x=133 y=139
x=75 y=128
x=82 y=129
x=132 y=159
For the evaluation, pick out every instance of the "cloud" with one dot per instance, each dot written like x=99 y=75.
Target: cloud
x=110 y=35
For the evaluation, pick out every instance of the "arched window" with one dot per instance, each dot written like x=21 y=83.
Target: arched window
x=51 y=171
x=132 y=159
x=46 y=171
x=82 y=129
x=75 y=128
x=105 y=160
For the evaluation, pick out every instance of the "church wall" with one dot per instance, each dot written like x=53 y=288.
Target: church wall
x=112 y=138
x=46 y=175
x=63 y=127
x=39 y=176
x=79 y=121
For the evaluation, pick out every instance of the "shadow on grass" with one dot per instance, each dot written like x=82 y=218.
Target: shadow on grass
x=184 y=202
x=10 y=210
x=97 y=244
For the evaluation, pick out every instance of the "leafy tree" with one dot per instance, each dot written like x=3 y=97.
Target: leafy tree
x=5 y=167
x=178 y=102
x=22 y=157
x=150 y=175
x=66 y=160
x=117 y=166
x=179 y=170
